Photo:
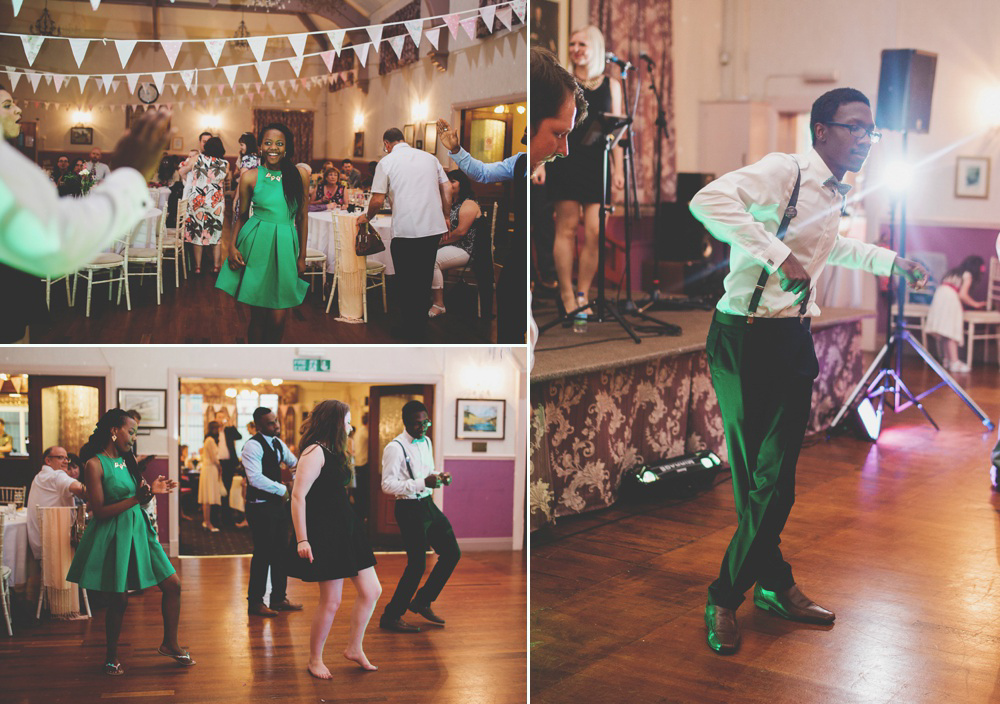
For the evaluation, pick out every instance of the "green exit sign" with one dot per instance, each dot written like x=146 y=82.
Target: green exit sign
x=311 y=365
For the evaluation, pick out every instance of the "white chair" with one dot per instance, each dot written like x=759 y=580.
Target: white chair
x=984 y=325
x=79 y=516
x=454 y=276
x=48 y=290
x=5 y=573
x=374 y=278
x=316 y=266
x=115 y=264
x=12 y=495
x=173 y=244
x=142 y=257
x=373 y=269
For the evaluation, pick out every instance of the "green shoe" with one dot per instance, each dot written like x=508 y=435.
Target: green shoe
x=723 y=634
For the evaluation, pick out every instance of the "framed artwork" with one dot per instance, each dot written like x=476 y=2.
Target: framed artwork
x=549 y=26
x=430 y=137
x=81 y=135
x=177 y=144
x=480 y=418
x=150 y=403
x=972 y=177
x=359 y=145
x=408 y=134
x=419 y=144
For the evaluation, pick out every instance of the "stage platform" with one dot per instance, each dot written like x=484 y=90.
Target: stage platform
x=602 y=404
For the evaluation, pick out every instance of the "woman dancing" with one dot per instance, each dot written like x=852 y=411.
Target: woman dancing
x=119 y=550
x=330 y=540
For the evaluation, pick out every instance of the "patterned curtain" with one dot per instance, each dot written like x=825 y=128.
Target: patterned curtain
x=300 y=122
x=629 y=27
x=387 y=60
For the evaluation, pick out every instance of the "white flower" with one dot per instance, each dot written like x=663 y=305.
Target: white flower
x=84 y=172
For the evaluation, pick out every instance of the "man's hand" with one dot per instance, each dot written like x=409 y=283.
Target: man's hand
x=362 y=219
x=914 y=274
x=432 y=481
x=142 y=146
x=794 y=278
x=447 y=136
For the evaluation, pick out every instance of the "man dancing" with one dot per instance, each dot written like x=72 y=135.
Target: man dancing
x=760 y=348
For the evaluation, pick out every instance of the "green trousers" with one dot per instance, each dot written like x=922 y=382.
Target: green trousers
x=763 y=375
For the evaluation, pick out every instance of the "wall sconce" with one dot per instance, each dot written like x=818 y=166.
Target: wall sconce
x=212 y=122
x=420 y=110
x=359 y=121
x=81 y=117
x=989 y=106
x=483 y=380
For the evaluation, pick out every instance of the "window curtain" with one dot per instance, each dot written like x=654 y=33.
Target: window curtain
x=631 y=26
x=299 y=122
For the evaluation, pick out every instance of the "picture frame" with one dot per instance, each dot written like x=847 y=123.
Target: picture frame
x=359 y=145
x=177 y=144
x=548 y=26
x=430 y=137
x=972 y=177
x=81 y=135
x=408 y=131
x=150 y=403
x=419 y=144
x=480 y=418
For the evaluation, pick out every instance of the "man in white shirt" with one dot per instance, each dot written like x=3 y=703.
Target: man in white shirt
x=98 y=170
x=268 y=515
x=760 y=348
x=420 y=193
x=52 y=486
x=408 y=474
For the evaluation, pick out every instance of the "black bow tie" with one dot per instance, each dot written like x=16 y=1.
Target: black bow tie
x=836 y=185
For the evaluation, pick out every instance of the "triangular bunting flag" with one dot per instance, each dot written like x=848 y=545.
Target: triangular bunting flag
x=283 y=85
x=57 y=81
x=262 y=69
x=95 y=4
x=230 y=72
x=48 y=78
x=397 y=44
x=79 y=47
x=337 y=39
x=158 y=80
x=295 y=86
x=260 y=88
x=488 y=12
x=504 y=13
x=124 y=47
x=433 y=36
x=34 y=79
x=270 y=89
x=327 y=57
x=114 y=85
x=520 y=7
x=298 y=42
x=204 y=89
x=469 y=25
x=82 y=80
x=132 y=79
x=106 y=79
x=215 y=47
x=304 y=82
x=113 y=107
x=171 y=48
x=187 y=77
x=257 y=46
x=17 y=7
x=362 y=51
x=414 y=27
x=452 y=22
x=296 y=63
x=31 y=46
x=221 y=88
x=174 y=87
x=375 y=34
x=100 y=84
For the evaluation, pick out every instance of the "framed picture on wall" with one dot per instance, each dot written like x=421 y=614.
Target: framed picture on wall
x=480 y=418
x=408 y=134
x=359 y=145
x=972 y=177
x=81 y=135
x=431 y=137
x=177 y=144
x=150 y=403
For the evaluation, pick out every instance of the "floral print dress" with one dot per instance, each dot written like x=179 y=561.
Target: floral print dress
x=206 y=201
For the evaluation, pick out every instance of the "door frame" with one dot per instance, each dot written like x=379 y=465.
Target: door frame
x=35 y=449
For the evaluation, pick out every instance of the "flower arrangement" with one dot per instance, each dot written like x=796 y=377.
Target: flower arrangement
x=86 y=181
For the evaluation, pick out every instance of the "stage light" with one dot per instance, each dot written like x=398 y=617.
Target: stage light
x=898 y=176
x=989 y=106
x=677 y=472
x=870 y=418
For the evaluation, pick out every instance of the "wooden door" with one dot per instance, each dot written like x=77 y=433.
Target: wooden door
x=385 y=423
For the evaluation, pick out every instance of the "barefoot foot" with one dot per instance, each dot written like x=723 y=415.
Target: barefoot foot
x=360 y=658
x=320 y=671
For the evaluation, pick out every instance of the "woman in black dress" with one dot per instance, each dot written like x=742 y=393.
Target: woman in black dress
x=330 y=540
x=573 y=184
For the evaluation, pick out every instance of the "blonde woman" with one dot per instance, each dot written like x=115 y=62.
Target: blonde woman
x=210 y=486
x=573 y=184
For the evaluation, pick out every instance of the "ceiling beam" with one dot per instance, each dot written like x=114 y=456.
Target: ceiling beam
x=306 y=20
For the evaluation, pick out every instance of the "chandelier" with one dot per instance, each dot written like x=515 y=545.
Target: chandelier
x=45 y=26
x=267 y=5
x=241 y=35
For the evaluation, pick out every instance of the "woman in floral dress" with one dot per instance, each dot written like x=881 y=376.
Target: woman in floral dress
x=204 y=191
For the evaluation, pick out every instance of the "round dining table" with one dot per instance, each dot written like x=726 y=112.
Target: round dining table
x=15 y=546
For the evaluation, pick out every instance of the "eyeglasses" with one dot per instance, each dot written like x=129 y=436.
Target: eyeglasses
x=58 y=457
x=859 y=131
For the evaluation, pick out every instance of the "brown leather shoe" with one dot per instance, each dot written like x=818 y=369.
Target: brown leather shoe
x=792 y=604
x=286 y=605
x=723 y=634
x=260 y=610
x=427 y=613
x=398 y=625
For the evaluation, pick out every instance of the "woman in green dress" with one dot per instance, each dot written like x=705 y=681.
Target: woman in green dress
x=119 y=550
x=267 y=256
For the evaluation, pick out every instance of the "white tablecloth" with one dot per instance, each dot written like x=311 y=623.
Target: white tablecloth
x=321 y=237
x=146 y=236
x=162 y=196
x=15 y=546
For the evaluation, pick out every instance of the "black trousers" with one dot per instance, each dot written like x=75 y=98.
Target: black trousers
x=512 y=295
x=422 y=525
x=763 y=375
x=413 y=260
x=269 y=527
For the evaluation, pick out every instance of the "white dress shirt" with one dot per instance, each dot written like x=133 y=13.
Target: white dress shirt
x=744 y=209
x=99 y=171
x=252 y=455
x=46 y=235
x=411 y=179
x=49 y=488
x=396 y=479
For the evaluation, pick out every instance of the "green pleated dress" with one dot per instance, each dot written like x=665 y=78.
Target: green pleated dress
x=120 y=553
x=270 y=247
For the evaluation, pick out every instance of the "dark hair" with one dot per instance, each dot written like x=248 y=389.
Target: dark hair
x=99 y=439
x=411 y=409
x=73 y=459
x=325 y=426
x=248 y=139
x=168 y=165
x=971 y=264
x=203 y=134
x=826 y=106
x=214 y=148
x=213 y=430
x=346 y=161
x=291 y=180
x=258 y=414
x=465 y=191
x=393 y=134
x=551 y=85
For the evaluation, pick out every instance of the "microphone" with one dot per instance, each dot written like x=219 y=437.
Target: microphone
x=624 y=65
x=646 y=57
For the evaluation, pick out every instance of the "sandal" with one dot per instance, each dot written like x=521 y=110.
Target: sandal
x=441 y=311
x=114 y=669
x=184 y=659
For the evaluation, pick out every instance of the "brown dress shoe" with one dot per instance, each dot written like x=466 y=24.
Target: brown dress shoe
x=427 y=613
x=792 y=604
x=260 y=610
x=398 y=625
x=723 y=634
x=286 y=605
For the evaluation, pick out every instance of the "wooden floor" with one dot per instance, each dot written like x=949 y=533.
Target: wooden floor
x=480 y=656
x=901 y=539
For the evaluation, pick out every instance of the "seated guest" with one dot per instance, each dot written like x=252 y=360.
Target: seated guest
x=60 y=173
x=168 y=173
x=330 y=192
x=51 y=487
x=326 y=165
x=97 y=169
x=455 y=248
x=352 y=174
